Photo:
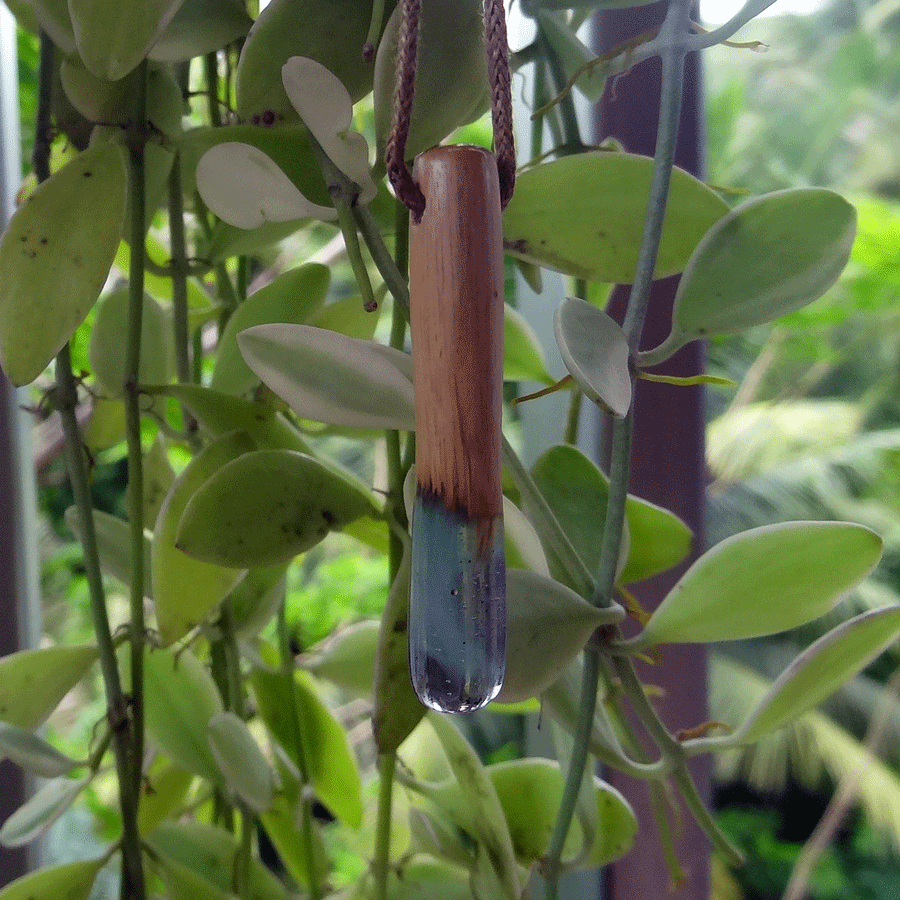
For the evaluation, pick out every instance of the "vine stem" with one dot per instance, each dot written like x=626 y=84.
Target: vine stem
x=135 y=139
x=672 y=34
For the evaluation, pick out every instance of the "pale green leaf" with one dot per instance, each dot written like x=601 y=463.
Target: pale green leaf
x=523 y=356
x=54 y=258
x=33 y=753
x=72 y=881
x=200 y=27
x=241 y=762
x=764 y=581
x=584 y=214
x=35 y=817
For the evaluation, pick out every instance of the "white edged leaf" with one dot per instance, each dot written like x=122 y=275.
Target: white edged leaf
x=245 y=188
x=595 y=352
x=35 y=817
x=326 y=109
x=32 y=753
x=328 y=377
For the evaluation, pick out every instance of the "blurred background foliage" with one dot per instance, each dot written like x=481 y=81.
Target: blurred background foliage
x=811 y=432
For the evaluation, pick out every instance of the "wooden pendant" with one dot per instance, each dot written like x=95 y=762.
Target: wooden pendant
x=457 y=625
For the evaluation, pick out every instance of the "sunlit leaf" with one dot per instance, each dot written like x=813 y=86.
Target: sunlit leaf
x=72 y=881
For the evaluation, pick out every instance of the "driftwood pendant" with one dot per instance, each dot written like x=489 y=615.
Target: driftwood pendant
x=457 y=623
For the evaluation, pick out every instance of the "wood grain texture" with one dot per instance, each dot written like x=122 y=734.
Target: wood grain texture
x=456 y=298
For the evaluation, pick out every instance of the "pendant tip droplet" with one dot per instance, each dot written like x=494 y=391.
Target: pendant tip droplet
x=457 y=620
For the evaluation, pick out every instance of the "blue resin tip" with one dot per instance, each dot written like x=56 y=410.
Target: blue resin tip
x=457 y=614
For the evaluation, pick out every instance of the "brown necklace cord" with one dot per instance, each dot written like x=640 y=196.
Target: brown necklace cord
x=497 y=50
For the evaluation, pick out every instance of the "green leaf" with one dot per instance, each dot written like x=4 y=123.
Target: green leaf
x=572 y=53
x=181 y=700
x=32 y=682
x=330 y=33
x=158 y=479
x=33 y=753
x=113 y=544
x=106 y=426
x=35 y=817
x=348 y=316
x=596 y=354
x=107 y=349
x=396 y=709
x=451 y=86
x=169 y=786
x=53 y=16
x=331 y=378
x=200 y=27
x=186 y=589
x=240 y=760
x=766 y=258
x=483 y=809
x=183 y=883
x=332 y=766
x=577 y=493
x=817 y=672
x=659 y=540
x=523 y=356
x=521 y=542
x=530 y=791
x=54 y=258
x=211 y=853
x=220 y=414
x=112 y=37
x=346 y=658
x=584 y=214
x=256 y=599
x=72 y=881
x=266 y=507
x=764 y=581
x=547 y=626
x=280 y=823
x=292 y=297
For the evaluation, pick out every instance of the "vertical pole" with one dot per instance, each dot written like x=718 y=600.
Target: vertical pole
x=667 y=460
x=18 y=553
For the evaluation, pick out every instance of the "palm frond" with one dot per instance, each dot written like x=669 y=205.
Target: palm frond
x=812 y=745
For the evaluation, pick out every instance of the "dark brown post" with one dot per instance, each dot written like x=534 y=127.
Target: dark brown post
x=667 y=457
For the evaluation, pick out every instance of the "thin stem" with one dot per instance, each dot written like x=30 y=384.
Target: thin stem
x=43 y=125
x=66 y=400
x=354 y=254
x=179 y=271
x=381 y=864
x=135 y=138
x=211 y=73
x=573 y=417
x=381 y=256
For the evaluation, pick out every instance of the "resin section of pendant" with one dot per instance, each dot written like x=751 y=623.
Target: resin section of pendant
x=457 y=615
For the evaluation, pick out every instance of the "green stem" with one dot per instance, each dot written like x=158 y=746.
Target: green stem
x=672 y=33
x=381 y=256
x=306 y=819
x=66 y=401
x=179 y=272
x=211 y=75
x=381 y=864
x=135 y=138
x=354 y=254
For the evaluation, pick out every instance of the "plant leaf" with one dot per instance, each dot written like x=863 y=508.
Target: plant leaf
x=211 y=853
x=33 y=753
x=106 y=349
x=484 y=811
x=72 y=881
x=240 y=760
x=659 y=540
x=112 y=38
x=347 y=657
x=54 y=258
x=583 y=215
x=767 y=257
x=523 y=356
x=35 y=817
x=292 y=297
x=332 y=766
x=186 y=589
x=200 y=27
x=595 y=352
x=181 y=700
x=331 y=378
x=113 y=544
x=764 y=581
x=819 y=671
x=264 y=508
x=547 y=625
x=32 y=682
x=572 y=53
